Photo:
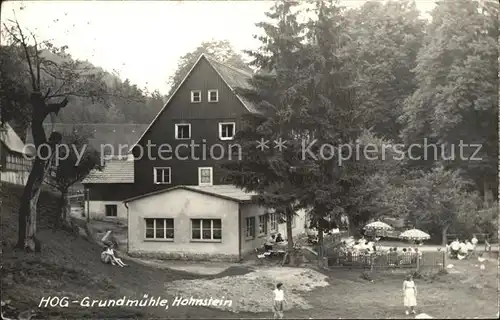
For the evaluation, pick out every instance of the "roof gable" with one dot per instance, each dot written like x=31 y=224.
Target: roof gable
x=12 y=141
x=227 y=192
x=232 y=77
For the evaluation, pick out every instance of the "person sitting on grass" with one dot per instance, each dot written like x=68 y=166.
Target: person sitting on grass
x=113 y=258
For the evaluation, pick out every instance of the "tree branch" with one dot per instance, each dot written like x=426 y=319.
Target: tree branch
x=47 y=94
x=56 y=107
x=37 y=61
x=23 y=43
x=54 y=185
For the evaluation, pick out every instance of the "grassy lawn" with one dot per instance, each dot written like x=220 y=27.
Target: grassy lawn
x=70 y=266
x=467 y=294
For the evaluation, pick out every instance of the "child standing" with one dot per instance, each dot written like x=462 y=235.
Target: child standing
x=410 y=295
x=279 y=301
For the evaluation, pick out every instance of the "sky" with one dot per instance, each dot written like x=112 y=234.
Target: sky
x=143 y=40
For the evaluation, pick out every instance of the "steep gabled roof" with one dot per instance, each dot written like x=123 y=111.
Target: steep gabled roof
x=115 y=171
x=232 y=77
x=228 y=192
x=12 y=141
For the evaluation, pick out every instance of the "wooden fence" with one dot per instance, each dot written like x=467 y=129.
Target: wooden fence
x=433 y=259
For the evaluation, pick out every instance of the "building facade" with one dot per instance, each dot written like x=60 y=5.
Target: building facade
x=194 y=131
x=106 y=189
x=199 y=223
x=15 y=159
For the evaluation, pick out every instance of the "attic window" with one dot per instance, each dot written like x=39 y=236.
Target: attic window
x=195 y=96
x=213 y=95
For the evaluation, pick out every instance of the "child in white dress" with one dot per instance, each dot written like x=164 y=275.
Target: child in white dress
x=410 y=295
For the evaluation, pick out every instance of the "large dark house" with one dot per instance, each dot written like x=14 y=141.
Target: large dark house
x=203 y=110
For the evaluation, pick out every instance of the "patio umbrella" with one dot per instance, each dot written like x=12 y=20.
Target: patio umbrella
x=378 y=226
x=415 y=235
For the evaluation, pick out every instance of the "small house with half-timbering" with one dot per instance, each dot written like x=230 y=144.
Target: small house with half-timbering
x=15 y=157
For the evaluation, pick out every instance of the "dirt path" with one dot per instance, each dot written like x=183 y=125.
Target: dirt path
x=138 y=279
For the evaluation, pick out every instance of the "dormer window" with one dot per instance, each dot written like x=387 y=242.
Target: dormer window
x=195 y=96
x=213 y=95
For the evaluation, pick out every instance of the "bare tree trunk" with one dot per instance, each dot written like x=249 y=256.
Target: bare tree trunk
x=289 y=218
x=353 y=229
x=321 y=248
x=28 y=210
x=444 y=237
x=65 y=217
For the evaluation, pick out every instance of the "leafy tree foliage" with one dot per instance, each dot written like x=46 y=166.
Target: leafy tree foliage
x=75 y=161
x=438 y=201
x=268 y=172
x=385 y=39
x=50 y=76
x=221 y=50
x=457 y=88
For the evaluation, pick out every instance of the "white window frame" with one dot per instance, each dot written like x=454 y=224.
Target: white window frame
x=211 y=227
x=273 y=221
x=216 y=95
x=154 y=238
x=221 y=124
x=250 y=228
x=177 y=125
x=262 y=231
x=211 y=176
x=192 y=96
x=155 y=177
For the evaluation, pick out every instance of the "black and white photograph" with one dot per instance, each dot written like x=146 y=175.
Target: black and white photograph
x=280 y=159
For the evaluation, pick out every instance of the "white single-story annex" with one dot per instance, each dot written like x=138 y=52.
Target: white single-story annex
x=200 y=223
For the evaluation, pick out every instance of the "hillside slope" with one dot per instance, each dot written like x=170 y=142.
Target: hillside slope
x=70 y=266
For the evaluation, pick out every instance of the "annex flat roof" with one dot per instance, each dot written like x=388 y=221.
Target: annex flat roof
x=228 y=192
